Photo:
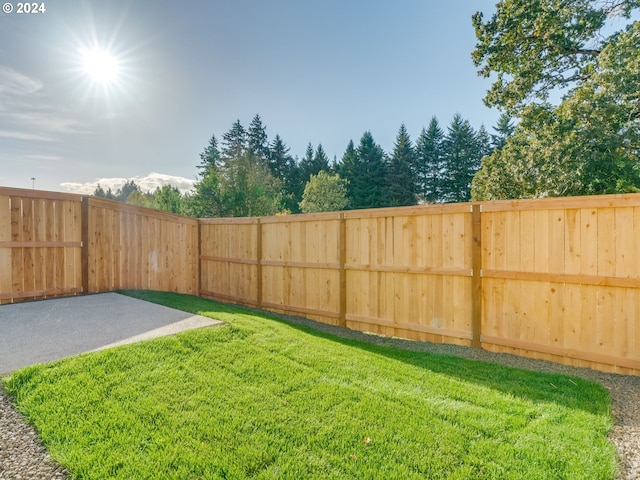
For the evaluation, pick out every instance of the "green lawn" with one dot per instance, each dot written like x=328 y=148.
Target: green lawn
x=260 y=398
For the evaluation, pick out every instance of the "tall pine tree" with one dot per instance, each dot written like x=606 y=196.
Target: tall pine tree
x=462 y=160
x=284 y=167
x=484 y=142
x=347 y=165
x=400 y=178
x=234 y=144
x=313 y=163
x=367 y=179
x=206 y=201
x=320 y=161
x=504 y=130
x=209 y=158
x=257 y=141
x=246 y=185
x=429 y=164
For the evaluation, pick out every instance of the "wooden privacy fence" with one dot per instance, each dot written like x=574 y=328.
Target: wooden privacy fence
x=556 y=279
x=54 y=244
x=40 y=244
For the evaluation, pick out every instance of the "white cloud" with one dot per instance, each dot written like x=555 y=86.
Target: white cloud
x=147 y=183
x=155 y=180
x=46 y=158
x=25 y=112
x=50 y=122
x=34 y=137
x=14 y=82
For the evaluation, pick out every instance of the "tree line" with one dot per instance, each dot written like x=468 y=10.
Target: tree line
x=246 y=174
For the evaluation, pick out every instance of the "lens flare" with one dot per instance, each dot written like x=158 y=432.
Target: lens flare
x=100 y=65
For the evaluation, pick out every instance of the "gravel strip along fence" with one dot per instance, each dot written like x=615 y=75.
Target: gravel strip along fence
x=22 y=456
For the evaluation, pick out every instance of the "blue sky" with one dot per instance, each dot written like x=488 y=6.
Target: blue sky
x=319 y=72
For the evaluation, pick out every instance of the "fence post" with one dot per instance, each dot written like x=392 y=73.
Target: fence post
x=476 y=281
x=84 y=237
x=199 y=259
x=259 y=262
x=342 y=241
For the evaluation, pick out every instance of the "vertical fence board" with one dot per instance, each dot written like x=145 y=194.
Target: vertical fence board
x=6 y=267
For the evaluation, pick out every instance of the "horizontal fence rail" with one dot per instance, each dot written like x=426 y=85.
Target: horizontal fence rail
x=557 y=279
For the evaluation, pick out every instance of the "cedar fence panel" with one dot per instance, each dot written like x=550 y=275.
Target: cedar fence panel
x=561 y=280
x=56 y=244
x=139 y=248
x=229 y=260
x=409 y=272
x=40 y=244
x=300 y=265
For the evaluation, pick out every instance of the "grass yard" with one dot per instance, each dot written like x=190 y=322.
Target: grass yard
x=260 y=398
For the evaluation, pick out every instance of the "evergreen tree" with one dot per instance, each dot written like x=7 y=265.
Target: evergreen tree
x=429 y=164
x=206 y=201
x=400 y=178
x=247 y=186
x=284 y=167
x=306 y=165
x=368 y=175
x=280 y=162
x=347 y=166
x=484 y=142
x=168 y=199
x=130 y=186
x=209 y=158
x=313 y=163
x=234 y=144
x=320 y=161
x=462 y=160
x=258 y=145
x=504 y=130
x=99 y=192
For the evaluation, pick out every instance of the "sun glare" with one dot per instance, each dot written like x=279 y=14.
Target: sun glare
x=100 y=65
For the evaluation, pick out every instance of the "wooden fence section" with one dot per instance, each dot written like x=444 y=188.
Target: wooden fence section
x=139 y=248
x=40 y=244
x=55 y=244
x=561 y=280
x=557 y=279
x=301 y=265
x=409 y=272
x=229 y=260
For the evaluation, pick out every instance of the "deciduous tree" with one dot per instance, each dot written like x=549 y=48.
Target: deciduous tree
x=324 y=193
x=589 y=142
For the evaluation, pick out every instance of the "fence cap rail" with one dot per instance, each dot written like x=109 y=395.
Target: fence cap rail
x=444 y=208
x=135 y=209
x=561 y=203
x=42 y=194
